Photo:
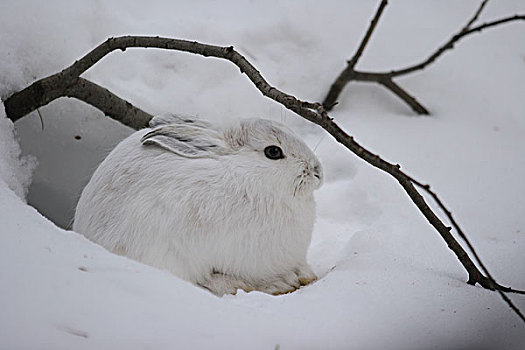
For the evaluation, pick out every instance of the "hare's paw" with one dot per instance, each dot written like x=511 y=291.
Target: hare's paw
x=281 y=284
x=305 y=275
x=221 y=284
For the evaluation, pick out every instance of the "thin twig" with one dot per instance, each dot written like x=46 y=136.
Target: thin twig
x=67 y=79
x=353 y=61
x=476 y=15
x=450 y=44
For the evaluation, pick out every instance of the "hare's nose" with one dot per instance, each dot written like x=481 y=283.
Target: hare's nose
x=317 y=172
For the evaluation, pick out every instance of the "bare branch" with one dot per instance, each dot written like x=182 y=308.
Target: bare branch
x=348 y=73
x=486 y=25
x=450 y=44
x=67 y=82
x=38 y=94
x=476 y=15
x=405 y=96
x=42 y=92
x=487 y=282
x=109 y=103
x=337 y=87
x=385 y=78
x=373 y=24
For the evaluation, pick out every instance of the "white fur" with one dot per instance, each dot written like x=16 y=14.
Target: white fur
x=207 y=204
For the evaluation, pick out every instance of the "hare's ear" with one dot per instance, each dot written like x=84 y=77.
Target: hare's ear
x=187 y=140
x=170 y=119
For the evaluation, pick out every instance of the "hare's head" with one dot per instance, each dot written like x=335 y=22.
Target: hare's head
x=275 y=156
x=261 y=152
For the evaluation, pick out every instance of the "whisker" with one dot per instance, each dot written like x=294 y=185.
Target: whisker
x=319 y=143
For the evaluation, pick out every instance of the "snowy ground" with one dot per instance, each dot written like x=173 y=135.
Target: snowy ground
x=387 y=279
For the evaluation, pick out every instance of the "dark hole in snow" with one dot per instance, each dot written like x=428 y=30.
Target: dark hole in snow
x=65 y=165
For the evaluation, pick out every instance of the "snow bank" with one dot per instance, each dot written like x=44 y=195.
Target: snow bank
x=15 y=170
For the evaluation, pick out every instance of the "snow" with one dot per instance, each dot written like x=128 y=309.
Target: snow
x=387 y=280
x=15 y=170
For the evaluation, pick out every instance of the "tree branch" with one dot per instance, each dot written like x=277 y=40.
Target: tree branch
x=347 y=74
x=112 y=105
x=486 y=282
x=350 y=74
x=67 y=82
x=450 y=44
x=476 y=15
x=405 y=96
x=373 y=24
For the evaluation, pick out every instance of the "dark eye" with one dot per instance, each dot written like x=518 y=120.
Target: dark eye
x=273 y=152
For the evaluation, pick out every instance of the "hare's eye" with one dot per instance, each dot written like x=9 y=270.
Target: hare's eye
x=273 y=152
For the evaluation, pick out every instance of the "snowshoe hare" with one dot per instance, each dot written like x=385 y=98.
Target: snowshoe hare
x=225 y=209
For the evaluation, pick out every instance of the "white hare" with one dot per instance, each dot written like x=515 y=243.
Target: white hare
x=225 y=209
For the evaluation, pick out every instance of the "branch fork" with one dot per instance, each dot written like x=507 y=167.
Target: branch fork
x=386 y=79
